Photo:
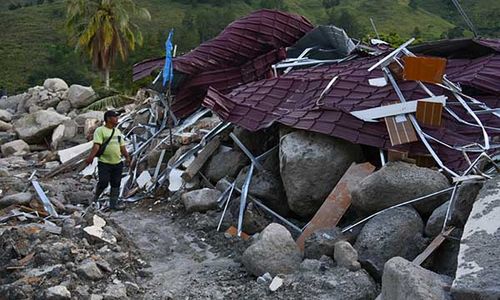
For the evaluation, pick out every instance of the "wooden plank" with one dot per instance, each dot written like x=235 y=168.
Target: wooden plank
x=337 y=203
x=201 y=159
x=429 y=113
x=438 y=240
x=426 y=69
x=400 y=132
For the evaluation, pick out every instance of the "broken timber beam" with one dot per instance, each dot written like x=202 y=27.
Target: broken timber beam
x=337 y=203
x=201 y=159
x=438 y=240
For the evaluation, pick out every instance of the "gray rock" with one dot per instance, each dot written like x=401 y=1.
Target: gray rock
x=404 y=280
x=116 y=291
x=200 y=200
x=254 y=220
x=310 y=265
x=55 y=84
x=4 y=172
x=311 y=164
x=224 y=164
x=274 y=251
x=267 y=188
x=322 y=242
x=89 y=270
x=19 y=198
x=12 y=102
x=18 y=147
x=444 y=259
x=57 y=136
x=398 y=182
x=478 y=268
x=4 y=126
x=462 y=205
x=332 y=284
x=6 y=137
x=68 y=228
x=5 y=115
x=435 y=222
x=254 y=141
x=34 y=128
x=70 y=129
x=346 y=256
x=58 y=292
x=80 y=96
x=63 y=107
x=396 y=232
x=93 y=114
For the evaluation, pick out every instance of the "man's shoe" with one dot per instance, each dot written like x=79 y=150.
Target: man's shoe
x=117 y=207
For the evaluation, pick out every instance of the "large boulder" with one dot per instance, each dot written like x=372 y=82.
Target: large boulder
x=266 y=187
x=274 y=251
x=311 y=164
x=398 y=182
x=201 y=200
x=12 y=102
x=462 y=204
x=396 y=232
x=34 y=128
x=63 y=107
x=478 y=268
x=436 y=220
x=5 y=115
x=93 y=114
x=404 y=280
x=80 y=96
x=17 y=147
x=55 y=84
x=225 y=163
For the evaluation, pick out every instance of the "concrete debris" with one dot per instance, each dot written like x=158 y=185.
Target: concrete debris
x=276 y=284
x=404 y=280
x=274 y=251
x=99 y=231
x=380 y=239
x=478 y=268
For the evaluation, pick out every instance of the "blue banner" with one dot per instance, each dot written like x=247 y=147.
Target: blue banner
x=168 y=70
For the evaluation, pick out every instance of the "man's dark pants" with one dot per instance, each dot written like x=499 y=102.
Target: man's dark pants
x=109 y=174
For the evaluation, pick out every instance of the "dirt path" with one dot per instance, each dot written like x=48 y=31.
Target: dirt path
x=184 y=264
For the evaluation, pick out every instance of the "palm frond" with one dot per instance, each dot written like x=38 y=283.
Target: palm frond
x=109 y=102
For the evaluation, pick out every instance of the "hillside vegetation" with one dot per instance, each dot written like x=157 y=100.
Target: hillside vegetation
x=33 y=44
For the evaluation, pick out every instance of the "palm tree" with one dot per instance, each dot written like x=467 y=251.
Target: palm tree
x=104 y=29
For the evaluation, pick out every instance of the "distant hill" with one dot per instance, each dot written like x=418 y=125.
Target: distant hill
x=33 y=41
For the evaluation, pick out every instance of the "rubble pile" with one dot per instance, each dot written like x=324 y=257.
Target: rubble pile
x=324 y=182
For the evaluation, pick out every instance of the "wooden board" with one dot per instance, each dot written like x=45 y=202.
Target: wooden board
x=201 y=159
x=438 y=240
x=337 y=203
x=426 y=69
x=429 y=113
x=400 y=132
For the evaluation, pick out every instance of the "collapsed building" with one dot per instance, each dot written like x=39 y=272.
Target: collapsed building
x=379 y=158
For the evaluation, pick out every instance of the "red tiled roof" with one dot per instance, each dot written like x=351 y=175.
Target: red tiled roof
x=242 y=53
x=293 y=100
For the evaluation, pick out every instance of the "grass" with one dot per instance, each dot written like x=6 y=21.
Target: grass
x=29 y=32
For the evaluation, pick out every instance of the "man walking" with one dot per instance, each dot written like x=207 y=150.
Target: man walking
x=109 y=146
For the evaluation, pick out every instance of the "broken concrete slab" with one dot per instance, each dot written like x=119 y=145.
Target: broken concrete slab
x=98 y=231
x=381 y=238
x=404 y=280
x=201 y=200
x=311 y=164
x=398 y=182
x=478 y=268
x=17 y=147
x=274 y=251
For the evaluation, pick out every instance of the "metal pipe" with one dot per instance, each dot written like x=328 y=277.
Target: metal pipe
x=246 y=151
x=243 y=198
x=225 y=206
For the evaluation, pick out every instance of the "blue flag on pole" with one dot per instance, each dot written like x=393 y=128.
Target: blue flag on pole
x=168 y=70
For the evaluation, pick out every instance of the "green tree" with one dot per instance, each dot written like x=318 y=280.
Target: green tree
x=104 y=30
